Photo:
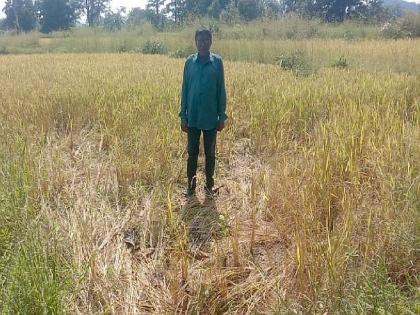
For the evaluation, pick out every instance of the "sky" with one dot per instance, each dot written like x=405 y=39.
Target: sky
x=130 y=3
x=127 y=3
x=115 y=4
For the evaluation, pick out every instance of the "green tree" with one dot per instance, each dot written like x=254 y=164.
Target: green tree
x=114 y=21
x=191 y=7
x=137 y=16
x=301 y=7
x=230 y=14
x=57 y=15
x=372 y=11
x=249 y=9
x=94 y=9
x=334 y=10
x=271 y=8
x=177 y=9
x=155 y=5
x=214 y=9
x=20 y=15
x=201 y=7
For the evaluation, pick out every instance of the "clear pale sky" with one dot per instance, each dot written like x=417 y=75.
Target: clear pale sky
x=127 y=3
x=114 y=4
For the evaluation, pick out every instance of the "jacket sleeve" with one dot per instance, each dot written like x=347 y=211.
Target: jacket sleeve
x=184 y=95
x=221 y=91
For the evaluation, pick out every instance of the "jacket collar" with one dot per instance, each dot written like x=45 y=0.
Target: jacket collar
x=196 y=59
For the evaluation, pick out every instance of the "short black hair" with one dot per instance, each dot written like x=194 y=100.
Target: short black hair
x=202 y=30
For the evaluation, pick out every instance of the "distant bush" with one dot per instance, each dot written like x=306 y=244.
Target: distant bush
x=391 y=30
x=410 y=25
x=181 y=53
x=113 y=22
x=340 y=63
x=407 y=26
x=123 y=47
x=153 y=47
x=349 y=34
x=214 y=28
x=230 y=14
x=137 y=16
x=295 y=61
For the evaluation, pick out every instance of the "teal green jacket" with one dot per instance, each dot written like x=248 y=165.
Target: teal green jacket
x=203 y=99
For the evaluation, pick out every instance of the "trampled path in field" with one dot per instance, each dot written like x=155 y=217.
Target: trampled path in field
x=223 y=246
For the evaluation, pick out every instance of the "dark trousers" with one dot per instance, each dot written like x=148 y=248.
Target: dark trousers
x=193 y=150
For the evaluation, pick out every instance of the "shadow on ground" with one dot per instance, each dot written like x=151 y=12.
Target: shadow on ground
x=202 y=220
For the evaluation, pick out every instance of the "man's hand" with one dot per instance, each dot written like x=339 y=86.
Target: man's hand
x=221 y=126
x=184 y=126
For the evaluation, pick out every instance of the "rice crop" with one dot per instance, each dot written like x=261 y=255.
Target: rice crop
x=317 y=212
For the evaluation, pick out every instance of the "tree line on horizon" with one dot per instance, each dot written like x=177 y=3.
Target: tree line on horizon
x=55 y=15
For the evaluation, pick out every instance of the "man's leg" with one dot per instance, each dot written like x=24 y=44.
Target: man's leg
x=210 y=152
x=193 y=150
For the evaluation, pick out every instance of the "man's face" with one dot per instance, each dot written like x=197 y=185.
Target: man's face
x=203 y=43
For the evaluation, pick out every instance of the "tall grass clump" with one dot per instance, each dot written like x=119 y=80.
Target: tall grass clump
x=295 y=61
x=153 y=48
x=33 y=276
x=347 y=215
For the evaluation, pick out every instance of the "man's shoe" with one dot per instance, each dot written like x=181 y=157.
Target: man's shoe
x=209 y=192
x=192 y=182
x=190 y=192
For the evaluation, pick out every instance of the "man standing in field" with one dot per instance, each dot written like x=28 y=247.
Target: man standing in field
x=203 y=107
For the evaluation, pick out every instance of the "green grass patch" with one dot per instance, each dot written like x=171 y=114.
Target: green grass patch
x=32 y=272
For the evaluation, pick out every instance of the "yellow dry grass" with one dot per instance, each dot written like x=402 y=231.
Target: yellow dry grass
x=319 y=174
